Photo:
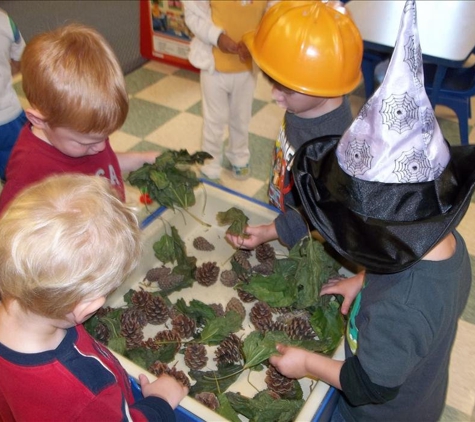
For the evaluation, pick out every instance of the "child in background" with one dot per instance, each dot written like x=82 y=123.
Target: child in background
x=389 y=195
x=320 y=66
x=77 y=95
x=78 y=242
x=226 y=76
x=12 y=116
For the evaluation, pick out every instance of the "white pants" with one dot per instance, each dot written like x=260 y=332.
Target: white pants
x=227 y=100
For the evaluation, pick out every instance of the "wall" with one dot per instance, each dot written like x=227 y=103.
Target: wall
x=117 y=21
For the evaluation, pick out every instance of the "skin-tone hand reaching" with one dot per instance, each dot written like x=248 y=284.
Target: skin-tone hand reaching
x=227 y=45
x=347 y=287
x=165 y=387
x=256 y=235
x=294 y=362
x=244 y=54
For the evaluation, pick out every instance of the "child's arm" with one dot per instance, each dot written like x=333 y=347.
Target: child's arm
x=165 y=387
x=257 y=236
x=347 y=287
x=198 y=20
x=294 y=362
x=130 y=161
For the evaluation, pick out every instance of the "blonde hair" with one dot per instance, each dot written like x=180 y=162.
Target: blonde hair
x=65 y=239
x=72 y=76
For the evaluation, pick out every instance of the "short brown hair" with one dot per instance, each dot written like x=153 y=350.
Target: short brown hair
x=66 y=239
x=72 y=76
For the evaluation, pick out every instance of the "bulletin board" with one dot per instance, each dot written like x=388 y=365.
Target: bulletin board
x=163 y=33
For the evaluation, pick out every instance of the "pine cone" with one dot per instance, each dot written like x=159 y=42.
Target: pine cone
x=208 y=399
x=261 y=317
x=184 y=326
x=157 y=273
x=158 y=368
x=242 y=259
x=265 y=252
x=264 y=268
x=195 y=356
x=140 y=298
x=170 y=281
x=246 y=297
x=180 y=376
x=229 y=278
x=173 y=312
x=207 y=274
x=103 y=311
x=138 y=314
x=167 y=337
x=218 y=309
x=102 y=333
x=156 y=310
x=150 y=344
x=299 y=329
x=229 y=350
x=236 y=305
x=242 y=254
x=277 y=382
x=131 y=329
x=202 y=244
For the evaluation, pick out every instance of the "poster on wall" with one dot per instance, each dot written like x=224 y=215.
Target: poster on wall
x=163 y=33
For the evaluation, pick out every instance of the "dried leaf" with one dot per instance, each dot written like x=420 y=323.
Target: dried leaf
x=235 y=219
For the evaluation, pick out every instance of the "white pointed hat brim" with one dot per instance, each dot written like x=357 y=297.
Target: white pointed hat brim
x=385 y=227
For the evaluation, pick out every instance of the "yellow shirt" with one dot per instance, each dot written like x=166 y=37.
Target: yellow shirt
x=236 y=17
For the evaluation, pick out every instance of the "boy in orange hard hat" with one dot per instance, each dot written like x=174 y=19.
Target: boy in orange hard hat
x=311 y=53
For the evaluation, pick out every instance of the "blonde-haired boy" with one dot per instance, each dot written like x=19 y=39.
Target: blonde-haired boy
x=67 y=242
x=77 y=95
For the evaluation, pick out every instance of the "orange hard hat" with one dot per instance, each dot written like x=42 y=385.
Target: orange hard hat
x=308 y=47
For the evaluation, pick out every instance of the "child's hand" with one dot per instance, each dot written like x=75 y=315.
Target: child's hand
x=291 y=361
x=256 y=236
x=243 y=52
x=347 y=287
x=227 y=45
x=165 y=387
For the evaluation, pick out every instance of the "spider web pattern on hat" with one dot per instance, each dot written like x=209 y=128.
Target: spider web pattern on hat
x=396 y=137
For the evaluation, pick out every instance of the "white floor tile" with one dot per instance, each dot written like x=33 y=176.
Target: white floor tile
x=263 y=90
x=172 y=91
x=121 y=141
x=266 y=122
x=247 y=187
x=183 y=131
x=160 y=67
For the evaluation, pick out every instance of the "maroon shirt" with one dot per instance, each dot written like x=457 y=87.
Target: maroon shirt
x=32 y=160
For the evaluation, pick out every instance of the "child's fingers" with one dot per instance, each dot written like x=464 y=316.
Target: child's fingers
x=143 y=380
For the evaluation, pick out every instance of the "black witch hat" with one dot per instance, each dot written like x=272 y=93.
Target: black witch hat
x=391 y=188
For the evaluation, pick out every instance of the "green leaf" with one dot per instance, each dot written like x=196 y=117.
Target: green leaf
x=216 y=330
x=258 y=348
x=226 y=410
x=165 y=182
x=274 y=289
x=215 y=381
x=264 y=408
x=328 y=323
x=196 y=310
x=235 y=218
x=160 y=179
x=165 y=249
x=315 y=267
x=117 y=344
x=279 y=410
x=171 y=248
